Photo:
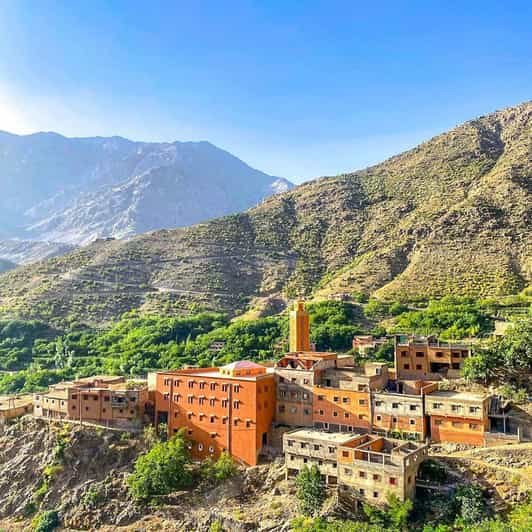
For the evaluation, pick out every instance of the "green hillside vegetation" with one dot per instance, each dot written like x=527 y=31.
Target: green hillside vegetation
x=449 y=217
x=37 y=355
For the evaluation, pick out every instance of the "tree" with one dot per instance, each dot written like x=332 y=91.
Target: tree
x=163 y=469
x=471 y=504
x=310 y=490
x=398 y=512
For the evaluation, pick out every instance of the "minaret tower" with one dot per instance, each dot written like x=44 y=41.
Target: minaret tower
x=299 y=328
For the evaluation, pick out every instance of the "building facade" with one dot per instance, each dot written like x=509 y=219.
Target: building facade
x=14 y=406
x=426 y=358
x=364 y=467
x=220 y=409
x=458 y=417
x=102 y=399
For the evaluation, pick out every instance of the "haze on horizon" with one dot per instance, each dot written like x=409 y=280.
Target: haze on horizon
x=296 y=91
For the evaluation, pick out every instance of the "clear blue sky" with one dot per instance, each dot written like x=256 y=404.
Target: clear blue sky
x=297 y=89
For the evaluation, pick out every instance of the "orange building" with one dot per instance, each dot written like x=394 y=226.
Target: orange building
x=426 y=358
x=222 y=409
x=458 y=417
x=101 y=399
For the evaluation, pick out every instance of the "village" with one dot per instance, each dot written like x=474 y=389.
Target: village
x=367 y=427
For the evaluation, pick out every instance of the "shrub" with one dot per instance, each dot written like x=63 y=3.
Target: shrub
x=163 y=469
x=310 y=490
x=45 y=521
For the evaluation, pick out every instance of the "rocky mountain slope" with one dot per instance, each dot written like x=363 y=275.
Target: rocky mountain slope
x=451 y=216
x=74 y=190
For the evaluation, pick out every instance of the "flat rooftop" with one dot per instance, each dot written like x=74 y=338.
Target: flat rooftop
x=464 y=396
x=315 y=434
x=215 y=374
x=8 y=402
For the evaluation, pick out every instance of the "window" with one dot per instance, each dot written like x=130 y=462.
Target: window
x=290 y=443
x=212 y=401
x=437 y=406
x=281 y=409
x=336 y=399
x=332 y=450
x=419 y=354
x=379 y=418
x=166 y=382
x=202 y=385
x=200 y=446
x=393 y=481
x=361 y=416
x=306 y=411
x=346 y=415
x=378 y=403
x=362 y=474
x=236 y=404
x=404 y=353
x=320 y=412
x=394 y=419
x=201 y=400
x=362 y=387
x=86 y=397
x=348 y=472
x=438 y=422
x=395 y=405
x=191 y=384
x=335 y=414
x=104 y=410
x=412 y=422
x=248 y=424
x=362 y=491
x=419 y=367
x=303 y=445
x=211 y=448
x=305 y=460
x=190 y=399
x=212 y=419
x=305 y=381
x=176 y=383
x=377 y=478
x=316 y=447
x=361 y=401
x=213 y=386
x=439 y=354
x=225 y=387
x=375 y=494
x=166 y=396
x=456 y=424
x=473 y=426
x=473 y=409
x=293 y=409
x=320 y=397
x=345 y=400
x=74 y=396
x=236 y=388
x=305 y=395
x=106 y=398
x=345 y=454
x=406 y=366
x=456 y=408
x=225 y=403
x=413 y=408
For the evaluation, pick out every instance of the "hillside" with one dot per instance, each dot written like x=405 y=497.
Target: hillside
x=6 y=265
x=74 y=190
x=451 y=216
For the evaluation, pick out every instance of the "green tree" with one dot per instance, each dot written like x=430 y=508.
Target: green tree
x=310 y=490
x=46 y=521
x=471 y=504
x=398 y=512
x=163 y=469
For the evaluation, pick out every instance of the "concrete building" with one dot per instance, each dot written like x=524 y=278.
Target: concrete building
x=106 y=400
x=371 y=467
x=362 y=467
x=426 y=358
x=459 y=417
x=296 y=375
x=221 y=409
x=14 y=406
x=308 y=447
x=364 y=344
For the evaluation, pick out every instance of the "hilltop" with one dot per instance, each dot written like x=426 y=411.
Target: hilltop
x=451 y=216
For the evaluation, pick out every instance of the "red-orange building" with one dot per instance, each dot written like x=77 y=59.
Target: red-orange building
x=222 y=409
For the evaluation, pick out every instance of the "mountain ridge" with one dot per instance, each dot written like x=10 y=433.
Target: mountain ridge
x=74 y=190
x=450 y=216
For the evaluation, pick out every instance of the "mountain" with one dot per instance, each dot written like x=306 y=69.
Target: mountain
x=451 y=216
x=6 y=265
x=75 y=190
x=17 y=251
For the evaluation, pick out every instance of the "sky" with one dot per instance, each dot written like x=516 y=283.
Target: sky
x=295 y=89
